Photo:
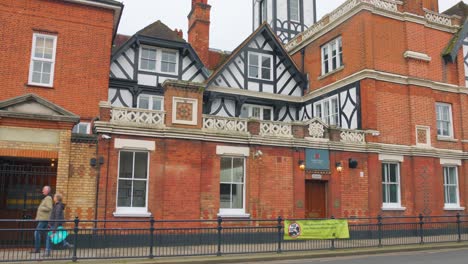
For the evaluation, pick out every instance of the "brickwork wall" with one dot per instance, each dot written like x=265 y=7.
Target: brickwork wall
x=81 y=196
x=84 y=40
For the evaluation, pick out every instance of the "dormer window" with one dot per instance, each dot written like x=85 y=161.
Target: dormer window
x=148 y=59
x=332 y=56
x=168 y=61
x=158 y=60
x=294 y=10
x=260 y=66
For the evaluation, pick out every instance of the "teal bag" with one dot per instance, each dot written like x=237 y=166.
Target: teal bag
x=59 y=236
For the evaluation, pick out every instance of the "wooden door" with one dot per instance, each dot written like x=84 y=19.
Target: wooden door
x=316 y=199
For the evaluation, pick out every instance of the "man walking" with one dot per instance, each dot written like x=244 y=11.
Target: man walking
x=42 y=216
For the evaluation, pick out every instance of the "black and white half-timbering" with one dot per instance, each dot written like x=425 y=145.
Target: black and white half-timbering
x=465 y=59
x=145 y=61
x=339 y=108
x=259 y=80
x=286 y=17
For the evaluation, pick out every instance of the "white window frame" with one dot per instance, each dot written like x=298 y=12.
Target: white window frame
x=176 y=69
x=159 y=61
x=298 y=11
x=457 y=185
x=387 y=205
x=140 y=58
x=150 y=101
x=338 y=43
x=451 y=134
x=122 y=211
x=227 y=212
x=260 y=67
x=322 y=116
x=52 y=60
x=88 y=127
x=261 y=107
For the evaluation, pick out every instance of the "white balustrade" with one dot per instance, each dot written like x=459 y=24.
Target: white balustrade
x=137 y=117
x=225 y=124
x=275 y=129
x=353 y=136
x=438 y=18
x=316 y=130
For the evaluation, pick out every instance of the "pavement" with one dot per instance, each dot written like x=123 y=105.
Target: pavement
x=446 y=253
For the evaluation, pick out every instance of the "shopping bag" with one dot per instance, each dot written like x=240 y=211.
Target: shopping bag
x=59 y=235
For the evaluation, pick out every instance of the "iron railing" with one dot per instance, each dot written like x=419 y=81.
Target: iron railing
x=152 y=238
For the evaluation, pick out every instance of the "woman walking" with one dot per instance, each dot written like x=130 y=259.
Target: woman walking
x=56 y=221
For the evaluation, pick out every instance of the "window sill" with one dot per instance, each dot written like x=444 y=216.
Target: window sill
x=448 y=139
x=33 y=85
x=234 y=215
x=394 y=208
x=456 y=208
x=130 y=214
x=330 y=73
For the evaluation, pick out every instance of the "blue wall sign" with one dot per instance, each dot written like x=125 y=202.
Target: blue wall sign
x=317 y=159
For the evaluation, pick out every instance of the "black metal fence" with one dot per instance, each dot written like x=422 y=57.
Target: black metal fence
x=153 y=238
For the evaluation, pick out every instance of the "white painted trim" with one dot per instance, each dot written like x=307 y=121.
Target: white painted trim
x=416 y=55
x=52 y=60
x=260 y=55
x=226 y=215
x=393 y=208
x=448 y=208
x=450 y=162
x=384 y=157
x=133 y=144
x=451 y=131
x=194 y=103
x=330 y=109
x=230 y=150
x=131 y=214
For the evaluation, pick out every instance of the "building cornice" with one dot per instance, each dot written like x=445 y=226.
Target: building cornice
x=247 y=139
x=356 y=77
x=386 y=8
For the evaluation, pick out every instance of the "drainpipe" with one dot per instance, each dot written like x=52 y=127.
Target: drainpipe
x=98 y=176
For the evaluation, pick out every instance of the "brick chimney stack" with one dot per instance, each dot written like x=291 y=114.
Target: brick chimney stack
x=418 y=6
x=179 y=32
x=199 y=28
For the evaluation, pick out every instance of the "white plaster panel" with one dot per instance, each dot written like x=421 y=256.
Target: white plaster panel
x=268 y=88
x=146 y=79
x=253 y=86
x=128 y=68
x=120 y=143
x=465 y=54
x=29 y=135
x=282 y=9
x=450 y=162
x=308 y=12
x=384 y=157
x=130 y=54
x=117 y=72
x=229 y=150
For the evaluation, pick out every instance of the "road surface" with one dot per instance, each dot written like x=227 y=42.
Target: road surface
x=458 y=256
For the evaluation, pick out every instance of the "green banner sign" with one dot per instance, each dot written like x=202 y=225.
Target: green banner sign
x=316 y=229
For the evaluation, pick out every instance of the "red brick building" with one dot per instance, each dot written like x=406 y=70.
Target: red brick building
x=368 y=101
x=55 y=73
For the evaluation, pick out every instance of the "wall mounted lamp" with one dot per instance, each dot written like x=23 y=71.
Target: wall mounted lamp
x=301 y=165
x=339 y=167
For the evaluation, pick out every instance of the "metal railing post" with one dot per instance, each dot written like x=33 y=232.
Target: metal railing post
x=333 y=240
x=280 y=237
x=220 y=228
x=459 y=228
x=379 y=226
x=75 y=239
x=421 y=228
x=151 y=255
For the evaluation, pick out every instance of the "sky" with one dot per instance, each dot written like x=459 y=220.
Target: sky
x=231 y=20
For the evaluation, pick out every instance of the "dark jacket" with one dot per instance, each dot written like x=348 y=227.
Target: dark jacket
x=57 y=214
